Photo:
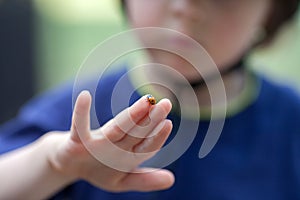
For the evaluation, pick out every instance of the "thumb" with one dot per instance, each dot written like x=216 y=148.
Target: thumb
x=146 y=180
x=80 y=128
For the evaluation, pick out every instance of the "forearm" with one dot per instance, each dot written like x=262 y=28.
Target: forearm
x=27 y=174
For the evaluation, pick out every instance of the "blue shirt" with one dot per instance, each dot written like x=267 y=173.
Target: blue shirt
x=256 y=157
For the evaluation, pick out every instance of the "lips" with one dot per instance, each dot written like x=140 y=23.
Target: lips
x=184 y=42
x=181 y=42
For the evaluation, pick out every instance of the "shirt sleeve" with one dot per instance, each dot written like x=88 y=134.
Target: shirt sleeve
x=47 y=112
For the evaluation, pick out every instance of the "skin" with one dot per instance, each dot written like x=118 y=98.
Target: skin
x=61 y=158
x=225 y=28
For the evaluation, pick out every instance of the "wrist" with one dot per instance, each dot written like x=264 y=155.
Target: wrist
x=52 y=143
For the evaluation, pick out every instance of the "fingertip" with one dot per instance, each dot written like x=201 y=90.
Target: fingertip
x=166 y=180
x=85 y=94
x=166 y=104
x=83 y=99
x=168 y=121
x=170 y=178
x=81 y=116
x=156 y=179
x=169 y=124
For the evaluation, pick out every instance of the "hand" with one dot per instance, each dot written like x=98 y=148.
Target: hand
x=109 y=156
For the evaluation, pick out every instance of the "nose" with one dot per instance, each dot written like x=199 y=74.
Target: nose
x=190 y=10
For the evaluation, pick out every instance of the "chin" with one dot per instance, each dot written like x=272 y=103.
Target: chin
x=181 y=67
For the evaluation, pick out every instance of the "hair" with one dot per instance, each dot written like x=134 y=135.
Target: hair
x=281 y=12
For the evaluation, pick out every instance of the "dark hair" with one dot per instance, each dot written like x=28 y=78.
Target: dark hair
x=281 y=12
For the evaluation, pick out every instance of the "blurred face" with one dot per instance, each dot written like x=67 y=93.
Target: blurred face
x=225 y=28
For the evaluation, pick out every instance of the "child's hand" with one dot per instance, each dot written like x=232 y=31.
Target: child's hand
x=116 y=148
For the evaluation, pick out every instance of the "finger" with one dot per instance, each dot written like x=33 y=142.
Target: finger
x=138 y=133
x=116 y=128
x=81 y=117
x=154 y=143
x=157 y=114
x=145 y=180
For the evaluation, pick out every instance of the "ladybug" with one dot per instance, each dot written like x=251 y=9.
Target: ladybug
x=151 y=99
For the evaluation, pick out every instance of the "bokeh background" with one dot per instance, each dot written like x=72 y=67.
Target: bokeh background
x=43 y=43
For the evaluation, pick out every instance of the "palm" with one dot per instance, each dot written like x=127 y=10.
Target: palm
x=108 y=157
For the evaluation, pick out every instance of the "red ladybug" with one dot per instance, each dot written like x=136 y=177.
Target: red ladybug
x=151 y=99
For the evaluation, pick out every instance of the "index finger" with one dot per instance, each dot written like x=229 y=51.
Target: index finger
x=116 y=128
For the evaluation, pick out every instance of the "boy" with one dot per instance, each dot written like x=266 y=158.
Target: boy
x=256 y=157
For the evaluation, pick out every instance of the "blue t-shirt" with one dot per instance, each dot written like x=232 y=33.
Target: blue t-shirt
x=257 y=155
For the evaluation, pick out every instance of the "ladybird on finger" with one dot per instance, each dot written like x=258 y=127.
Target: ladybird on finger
x=151 y=99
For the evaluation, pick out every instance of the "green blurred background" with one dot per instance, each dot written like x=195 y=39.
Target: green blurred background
x=59 y=34
x=67 y=30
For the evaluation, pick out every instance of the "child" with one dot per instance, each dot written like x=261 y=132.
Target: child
x=256 y=157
